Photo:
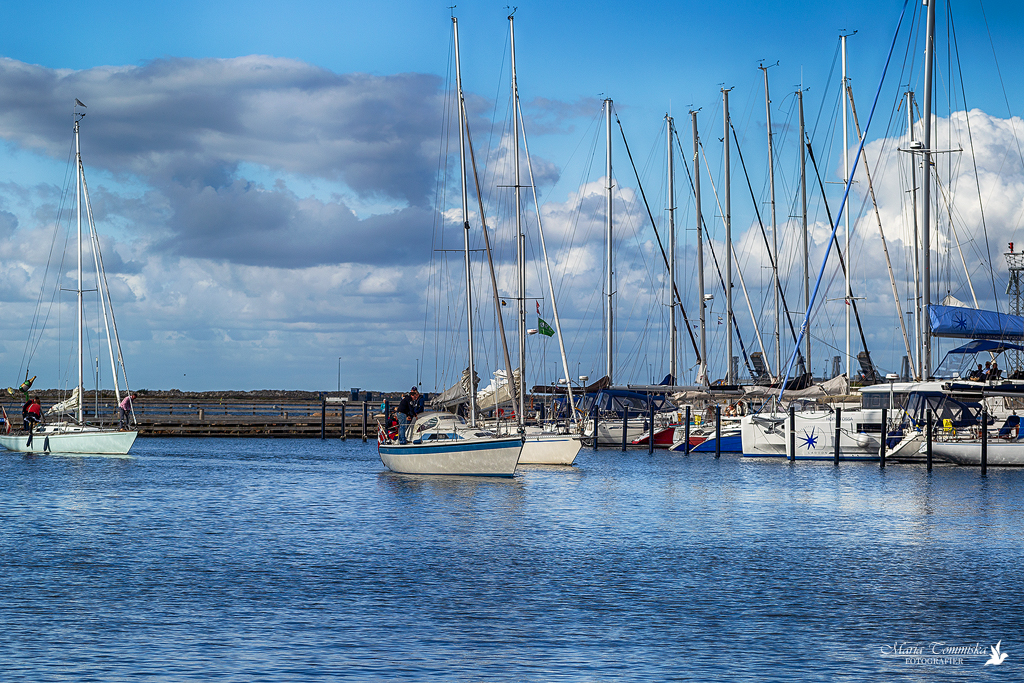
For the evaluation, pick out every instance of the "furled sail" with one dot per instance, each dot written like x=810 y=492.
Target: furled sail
x=69 y=405
x=971 y=323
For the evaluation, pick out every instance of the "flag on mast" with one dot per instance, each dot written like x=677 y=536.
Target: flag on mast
x=544 y=328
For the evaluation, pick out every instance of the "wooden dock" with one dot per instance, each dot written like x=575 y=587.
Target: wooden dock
x=197 y=415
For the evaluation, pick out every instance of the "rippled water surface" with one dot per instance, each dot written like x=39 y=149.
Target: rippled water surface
x=278 y=560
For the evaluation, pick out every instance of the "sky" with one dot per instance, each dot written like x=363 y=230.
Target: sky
x=277 y=189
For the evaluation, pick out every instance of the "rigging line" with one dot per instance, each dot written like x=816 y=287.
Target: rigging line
x=711 y=246
x=946 y=202
x=764 y=234
x=842 y=204
x=881 y=233
x=974 y=161
x=839 y=251
x=675 y=289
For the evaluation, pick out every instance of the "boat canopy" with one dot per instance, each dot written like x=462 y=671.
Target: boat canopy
x=970 y=323
x=959 y=362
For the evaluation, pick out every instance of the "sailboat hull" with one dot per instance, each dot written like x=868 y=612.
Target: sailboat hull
x=549 y=449
x=469 y=457
x=73 y=440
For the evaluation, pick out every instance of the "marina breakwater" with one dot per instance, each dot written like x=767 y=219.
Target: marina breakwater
x=285 y=414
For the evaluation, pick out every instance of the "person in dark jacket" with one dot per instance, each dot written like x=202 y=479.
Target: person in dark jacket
x=406 y=412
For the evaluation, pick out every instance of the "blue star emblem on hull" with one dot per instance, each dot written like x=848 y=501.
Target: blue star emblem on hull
x=810 y=440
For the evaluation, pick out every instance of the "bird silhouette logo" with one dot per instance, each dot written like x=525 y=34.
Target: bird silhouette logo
x=997 y=657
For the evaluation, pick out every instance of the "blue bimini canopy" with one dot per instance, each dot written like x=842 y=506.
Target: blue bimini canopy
x=986 y=345
x=971 y=323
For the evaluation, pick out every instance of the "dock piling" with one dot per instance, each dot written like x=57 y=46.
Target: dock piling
x=344 y=427
x=595 y=423
x=718 y=431
x=625 y=425
x=884 y=434
x=686 y=432
x=928 y=440
x=323 y=417
x=835 y=444
x=792 y=434
x=984 y=442
x=366 y=408
x=650 y=434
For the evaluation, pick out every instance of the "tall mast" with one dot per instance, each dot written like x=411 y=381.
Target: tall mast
x=465 y=224
x=925 y=225
x=80 y=309
x=803 y=218
x=703 y=372
x=775 y=237
x=727 y=217
x=609 y=282
x=672 y=352
x=520 y=238
x=846 y=214
x=917 y=238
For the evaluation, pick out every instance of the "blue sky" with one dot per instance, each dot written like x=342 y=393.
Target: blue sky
x=265 y=171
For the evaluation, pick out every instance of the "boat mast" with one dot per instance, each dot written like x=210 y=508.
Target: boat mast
x=846 y=214
x=727 y=217
x=925 y=224
x=775 y=237
x=803 y=218
x=520 y=240
x=465 y=224
x=672 y=351
x=702 y=373
x=917 y=237
x=547 y=269
x=609 y=281
x=80 y=308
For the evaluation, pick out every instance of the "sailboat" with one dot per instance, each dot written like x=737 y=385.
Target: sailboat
x=444 y=443
x=542 y=445
x=74 y=435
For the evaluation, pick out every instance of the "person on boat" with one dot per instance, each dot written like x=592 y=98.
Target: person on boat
x=406 y=412
x=125 y=408
x=33 y=414
x=420 y=401
x=24 y=413
x=976 y=375
x=995 y=373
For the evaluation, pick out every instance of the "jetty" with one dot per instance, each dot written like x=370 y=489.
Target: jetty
x=283 y=414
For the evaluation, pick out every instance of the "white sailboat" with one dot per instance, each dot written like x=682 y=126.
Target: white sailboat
x=542 y=445
x=75 y=436
x=442 y=443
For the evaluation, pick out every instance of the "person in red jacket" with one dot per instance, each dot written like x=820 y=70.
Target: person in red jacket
x=33 y=415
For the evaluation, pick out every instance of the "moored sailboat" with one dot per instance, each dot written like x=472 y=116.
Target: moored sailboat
x=75 y=436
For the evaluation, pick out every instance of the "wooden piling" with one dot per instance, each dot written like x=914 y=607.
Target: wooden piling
x=792 y=434
x=625 y=426
x=928 y=440
x=366 y=408
x=984 y=442
x=323 y=418
x=650 y=433
x=718 y=431
x=884 y=434
x=686 y=432
x=839 y=431
x=344 y=425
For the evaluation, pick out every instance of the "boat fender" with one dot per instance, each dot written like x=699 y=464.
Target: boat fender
x=863 y=440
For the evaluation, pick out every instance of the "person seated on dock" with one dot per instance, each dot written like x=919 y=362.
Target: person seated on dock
x=33 y=414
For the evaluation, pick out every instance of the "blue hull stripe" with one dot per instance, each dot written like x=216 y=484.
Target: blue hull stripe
x=452 y=446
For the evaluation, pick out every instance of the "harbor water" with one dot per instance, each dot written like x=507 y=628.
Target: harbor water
x=287 y=560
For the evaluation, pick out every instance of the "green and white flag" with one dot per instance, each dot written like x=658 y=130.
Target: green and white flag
x=544 y=328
